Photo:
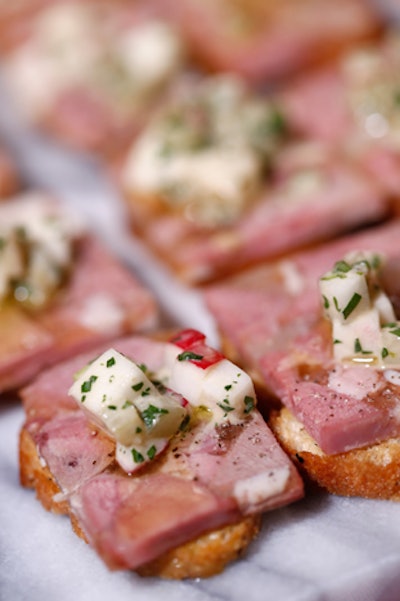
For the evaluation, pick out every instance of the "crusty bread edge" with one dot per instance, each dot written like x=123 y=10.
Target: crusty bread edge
x=370 y=472
x=205 y=556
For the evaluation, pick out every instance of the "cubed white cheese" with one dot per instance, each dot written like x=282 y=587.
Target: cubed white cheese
x=223 y=388
x=121 y=398
x=345 y=295
x=229 y=391
x=364 y=326
x=107 y=389
x=187 y=379
x=205 y=154
x=152 y=53
x=36 y=247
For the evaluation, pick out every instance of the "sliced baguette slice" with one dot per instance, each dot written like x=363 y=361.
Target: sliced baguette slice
x=371 y=472
x=203 y=557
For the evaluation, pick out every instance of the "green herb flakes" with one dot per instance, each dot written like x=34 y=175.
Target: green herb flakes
x=351 y=305
x=150 y=415
x=137 y=456
x=151 y=453
x=87 y=385
x=249 y=404
x=189 y=356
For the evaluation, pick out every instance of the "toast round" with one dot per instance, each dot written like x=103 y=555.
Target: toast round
x=371 y=472
x=205 y=556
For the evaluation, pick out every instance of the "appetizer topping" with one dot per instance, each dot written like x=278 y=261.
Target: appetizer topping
x=36 y=250
x=364 y=325
x=142 y=413
x=122 y=400
x=205 y=154
x=152 y=53
x=203 y=376
x=373 y=84
x=75 y=45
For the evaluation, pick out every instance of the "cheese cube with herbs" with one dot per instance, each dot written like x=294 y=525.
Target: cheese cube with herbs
x=364 y=326
x=122 y=399
x=222 y=388
x=143 y=411
x=36 y=248
x=207 y=379
x=205 y=153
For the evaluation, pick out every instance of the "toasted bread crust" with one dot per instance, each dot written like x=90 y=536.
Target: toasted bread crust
x=34 y=474
x=205 y=556
x=371 y=472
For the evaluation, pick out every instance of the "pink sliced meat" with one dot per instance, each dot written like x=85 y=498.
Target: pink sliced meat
x=268 y=41
x=72 y=448
x=206 y=478
x=315 y=105
x=88 y=115
x=322 y=105
x=281 y=334
x=338 y=422
x=280 y=220
x=85 y=121
x=99 y=286
x=132 y=521
x=98 y=277
x=239 y=456
x=24 y=346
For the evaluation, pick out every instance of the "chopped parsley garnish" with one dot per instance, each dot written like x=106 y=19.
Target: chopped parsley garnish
x=249 y=404
x=151 y=453
x=112 y=407
x=384 y=352
x=87 y=385
x=127 y=404
x=150 y=414
x=224 y=405
x=358 y=348
x=351 y=305
x=325 y=301
x=110 y=362
x=137 y=386
x=276 y=123
x=137 y=456
x=336 y=303
x=341 y=267
x=189 y=356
